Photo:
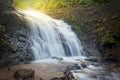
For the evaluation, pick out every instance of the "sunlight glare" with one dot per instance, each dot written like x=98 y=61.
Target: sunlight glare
x=36 y=14
x=32 y=12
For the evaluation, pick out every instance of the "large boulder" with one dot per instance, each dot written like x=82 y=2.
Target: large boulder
x=24 y=74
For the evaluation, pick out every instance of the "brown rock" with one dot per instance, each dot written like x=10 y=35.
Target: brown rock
x=24 y=74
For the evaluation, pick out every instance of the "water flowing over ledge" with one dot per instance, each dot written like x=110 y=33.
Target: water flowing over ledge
x=50 y=37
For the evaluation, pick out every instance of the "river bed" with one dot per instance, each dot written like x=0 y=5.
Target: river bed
x=82 y=69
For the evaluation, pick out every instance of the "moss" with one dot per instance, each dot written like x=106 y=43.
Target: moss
x=93 y=19
x=2 y=28
x=115 y=16
x=108 y=39
x=99 y=30
x=104 y=20
x=97 y=24
x=99 y=21
x=76 y=27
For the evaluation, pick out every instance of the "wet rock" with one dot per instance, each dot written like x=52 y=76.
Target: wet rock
x=22 y=39
x=92 y=59
x=101 y=78
x=22 y=33
x=83 y=65
x=76 y=67
x=68 y=76
x=24 y=74
x=73 y=67
x=58 y=58
x=92 y=75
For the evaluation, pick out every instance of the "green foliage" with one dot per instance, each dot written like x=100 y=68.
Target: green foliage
x=115 y=16
x=76 y=27
x=88 y=2
x=104 y=1
x=55 y=4
x=104 y=20
x=2 y=28
x=109 y=38
x=99 y=30
x=96 y=2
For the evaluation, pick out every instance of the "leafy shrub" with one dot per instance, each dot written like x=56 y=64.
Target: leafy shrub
x=55 y=4
x=99 y=30
x=110 y=39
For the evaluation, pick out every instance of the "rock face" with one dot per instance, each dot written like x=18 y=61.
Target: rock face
x=24 y=74
x=14 y=33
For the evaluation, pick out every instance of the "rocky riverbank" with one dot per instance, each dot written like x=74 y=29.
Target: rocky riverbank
x=74 y=69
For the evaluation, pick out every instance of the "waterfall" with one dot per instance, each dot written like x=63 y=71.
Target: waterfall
x=50 y=37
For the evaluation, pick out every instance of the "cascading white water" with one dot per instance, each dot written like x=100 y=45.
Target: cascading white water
x=50 y=37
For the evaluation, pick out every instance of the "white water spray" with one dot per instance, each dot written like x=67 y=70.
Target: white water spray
x=50 y=37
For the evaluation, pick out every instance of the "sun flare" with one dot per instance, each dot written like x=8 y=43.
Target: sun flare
x=32 y=12
x=35 y=14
